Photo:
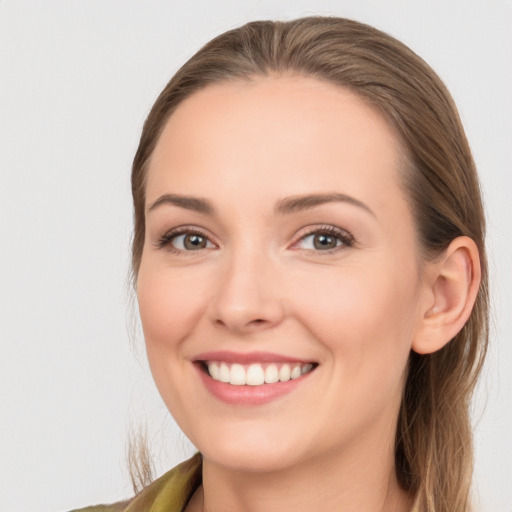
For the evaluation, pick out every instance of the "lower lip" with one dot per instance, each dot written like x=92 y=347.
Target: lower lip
x=249 y=395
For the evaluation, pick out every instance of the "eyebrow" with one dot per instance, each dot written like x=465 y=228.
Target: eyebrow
x=196 y=204
x=300 y=203
x=285 y=206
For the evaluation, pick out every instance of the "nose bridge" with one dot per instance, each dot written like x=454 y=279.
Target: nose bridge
x=247 y=297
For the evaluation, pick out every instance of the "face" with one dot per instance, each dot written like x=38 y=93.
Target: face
x=279 y=285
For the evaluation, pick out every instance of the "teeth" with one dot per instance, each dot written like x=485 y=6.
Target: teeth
x=223 y=373
x=213 y=368
x=296 y=372
x=271 y=374
x=255 y=374
x=284 y=373
x=237 y=375
x=306 y=368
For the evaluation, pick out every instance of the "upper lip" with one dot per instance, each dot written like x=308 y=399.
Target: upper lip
x=248 y=357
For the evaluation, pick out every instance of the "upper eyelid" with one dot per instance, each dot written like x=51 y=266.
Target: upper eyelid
x=169 y=235
x=185 y=229
x=326 y=228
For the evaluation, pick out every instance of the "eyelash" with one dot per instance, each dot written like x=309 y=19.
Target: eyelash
x=346 y=239
x=165 y=241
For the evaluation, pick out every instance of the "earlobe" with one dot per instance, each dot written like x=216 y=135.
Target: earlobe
x=453 y=285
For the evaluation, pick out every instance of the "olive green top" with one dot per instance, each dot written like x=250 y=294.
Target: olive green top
x=169 y=493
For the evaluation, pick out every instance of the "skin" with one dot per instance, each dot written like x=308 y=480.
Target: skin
x=260 y=284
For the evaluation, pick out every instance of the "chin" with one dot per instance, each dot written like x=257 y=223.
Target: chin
x=250 y=460
x=252 y=453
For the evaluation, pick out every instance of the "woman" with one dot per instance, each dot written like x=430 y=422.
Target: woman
x=310 y=269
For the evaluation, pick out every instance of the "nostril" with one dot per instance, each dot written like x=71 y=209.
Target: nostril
x=219 y=322
x=257 y=322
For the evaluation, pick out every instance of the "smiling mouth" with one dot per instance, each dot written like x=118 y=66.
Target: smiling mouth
x=255 y=374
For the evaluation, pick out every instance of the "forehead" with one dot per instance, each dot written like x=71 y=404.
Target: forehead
x=286 y=134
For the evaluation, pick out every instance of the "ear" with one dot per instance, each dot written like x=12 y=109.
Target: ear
x=451 y=287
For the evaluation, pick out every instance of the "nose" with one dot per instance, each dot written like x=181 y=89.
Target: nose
x=247 y=298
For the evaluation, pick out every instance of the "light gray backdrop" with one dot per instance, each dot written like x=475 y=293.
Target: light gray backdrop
x=76 y=81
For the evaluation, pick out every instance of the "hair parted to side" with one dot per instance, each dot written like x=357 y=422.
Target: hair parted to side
x=433 y=446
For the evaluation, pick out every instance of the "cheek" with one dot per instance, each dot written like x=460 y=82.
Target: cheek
x=358 y=295
x=169 y=306
x=364 y=317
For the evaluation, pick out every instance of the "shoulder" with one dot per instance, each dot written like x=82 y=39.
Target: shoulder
x=115 y=507
x=170 y=492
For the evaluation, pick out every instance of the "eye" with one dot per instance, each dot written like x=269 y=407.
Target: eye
x=190 y=242
x=185 y=241
x=325 y=239
x=320 y=242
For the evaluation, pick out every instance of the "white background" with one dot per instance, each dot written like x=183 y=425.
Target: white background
x=76 y=81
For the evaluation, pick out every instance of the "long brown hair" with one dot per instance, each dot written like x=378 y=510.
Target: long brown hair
x=433 y=446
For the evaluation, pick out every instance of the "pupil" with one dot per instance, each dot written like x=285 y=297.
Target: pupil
x=194 y=242
x=324 y=242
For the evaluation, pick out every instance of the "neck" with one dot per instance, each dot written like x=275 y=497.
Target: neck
x=348 y=481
